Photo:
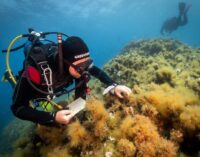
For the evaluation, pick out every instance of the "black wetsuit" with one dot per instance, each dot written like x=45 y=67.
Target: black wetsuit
x=24 y=92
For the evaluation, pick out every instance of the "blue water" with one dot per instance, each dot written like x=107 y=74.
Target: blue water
x=105 y=25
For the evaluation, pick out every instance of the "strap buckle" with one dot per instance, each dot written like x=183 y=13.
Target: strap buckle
x=47 y=74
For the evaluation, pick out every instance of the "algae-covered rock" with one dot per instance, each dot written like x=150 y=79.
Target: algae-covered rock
x=160 y=119
x=159 y=61
x=17 y=138
x=167 y=74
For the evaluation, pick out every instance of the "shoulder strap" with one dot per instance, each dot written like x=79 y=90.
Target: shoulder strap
x=38 y=58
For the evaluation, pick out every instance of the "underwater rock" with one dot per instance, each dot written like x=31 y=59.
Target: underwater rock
x=16 y=137
x=160 y=119
x=173 y=101
x=142 y=62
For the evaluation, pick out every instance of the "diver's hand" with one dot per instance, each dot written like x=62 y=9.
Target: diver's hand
x=64 y=116
x=122 y=91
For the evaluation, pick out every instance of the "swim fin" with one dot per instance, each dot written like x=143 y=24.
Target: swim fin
x=181 y=6
x=6 y=78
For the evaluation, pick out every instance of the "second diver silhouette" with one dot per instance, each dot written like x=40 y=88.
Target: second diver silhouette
x=173 y=23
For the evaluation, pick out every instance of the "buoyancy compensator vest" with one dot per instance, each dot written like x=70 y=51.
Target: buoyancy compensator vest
x=42 y=69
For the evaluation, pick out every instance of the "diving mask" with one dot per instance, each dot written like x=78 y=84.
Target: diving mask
x=80 y=67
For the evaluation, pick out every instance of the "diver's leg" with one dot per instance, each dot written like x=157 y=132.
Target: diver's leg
x=183 y=21
x=184 y=18
x=181 y=6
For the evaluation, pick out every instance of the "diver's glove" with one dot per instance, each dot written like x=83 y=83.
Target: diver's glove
x=120 y=91
x=63 y=116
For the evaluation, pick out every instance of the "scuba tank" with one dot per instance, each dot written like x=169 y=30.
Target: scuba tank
x=34 y=38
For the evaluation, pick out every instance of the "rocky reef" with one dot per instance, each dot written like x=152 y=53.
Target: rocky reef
x=160 y=119
x=158 y=61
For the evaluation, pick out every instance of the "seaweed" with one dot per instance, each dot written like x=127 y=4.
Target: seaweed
x=160 y=119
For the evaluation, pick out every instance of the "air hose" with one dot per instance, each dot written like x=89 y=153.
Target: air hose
x=7 y=58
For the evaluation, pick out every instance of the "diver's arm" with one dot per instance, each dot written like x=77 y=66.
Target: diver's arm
x=81 y=90
x=101 y=75
x=21 y=109
x=28 y=113
x=96 y=72
x=120 y=91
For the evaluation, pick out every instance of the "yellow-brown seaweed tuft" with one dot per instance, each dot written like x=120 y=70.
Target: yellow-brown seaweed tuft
x=126 y=148
x=51 y=135
x=97 y=110
x=170 y=101
x=58 y=152
x=190 y=118
x=77 y=134
x=148 y=141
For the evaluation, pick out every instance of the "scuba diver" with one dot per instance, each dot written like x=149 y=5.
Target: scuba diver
x=49 y=68
x=173 y=23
